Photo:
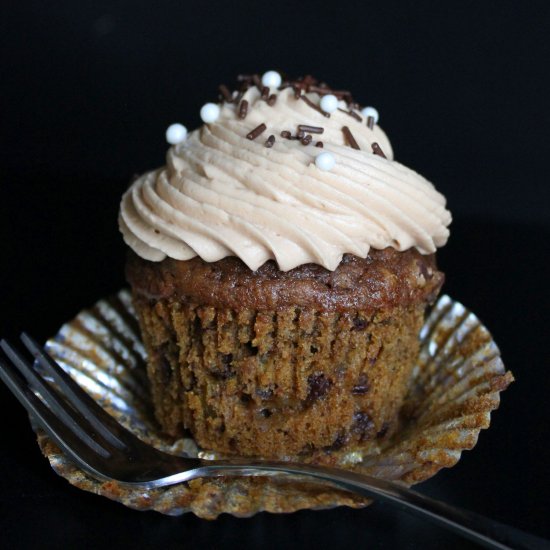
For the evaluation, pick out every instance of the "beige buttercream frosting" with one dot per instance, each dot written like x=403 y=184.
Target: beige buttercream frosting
x=221 y=194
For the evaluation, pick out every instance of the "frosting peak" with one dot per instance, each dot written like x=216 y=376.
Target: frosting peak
x=260 y=198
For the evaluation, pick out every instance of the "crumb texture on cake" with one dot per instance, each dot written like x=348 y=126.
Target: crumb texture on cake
x=385 y=278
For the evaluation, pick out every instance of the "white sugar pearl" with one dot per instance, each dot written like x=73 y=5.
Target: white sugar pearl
x=271 y=79
x=329 y=103
x=370 y=111
x=210 y=112
x=176 y=133
x=325 y=161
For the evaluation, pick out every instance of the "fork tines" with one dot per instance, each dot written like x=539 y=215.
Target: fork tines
x=70 y=416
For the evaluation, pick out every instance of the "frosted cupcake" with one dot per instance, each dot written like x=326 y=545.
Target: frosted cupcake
x=281 y=265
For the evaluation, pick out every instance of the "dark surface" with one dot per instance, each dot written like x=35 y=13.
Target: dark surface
x=87 y=93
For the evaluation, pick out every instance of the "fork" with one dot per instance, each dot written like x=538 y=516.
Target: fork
x=107 y=451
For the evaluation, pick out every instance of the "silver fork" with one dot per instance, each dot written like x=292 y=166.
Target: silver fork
x=100 y=446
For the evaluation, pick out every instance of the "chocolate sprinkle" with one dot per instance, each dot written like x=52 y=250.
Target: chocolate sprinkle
x=300 y=134
x=265 y=93
x=377 y=151
x=311 y=129
x=239 y=96
x=257 y=81
x=370 y=122
x=256 y=132
x=306 y=140
x=286 y=134
x=224 y=90
x=313 y=106
x=351 y=114
x=350 y=139
x=272 y=99
x=300 y=86
x=319 y=144
x=243 y=109
x=270 y=141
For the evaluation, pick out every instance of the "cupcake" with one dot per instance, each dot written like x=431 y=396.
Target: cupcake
x=281 y=265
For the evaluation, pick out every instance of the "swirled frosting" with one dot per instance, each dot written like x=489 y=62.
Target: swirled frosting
x=221 y=194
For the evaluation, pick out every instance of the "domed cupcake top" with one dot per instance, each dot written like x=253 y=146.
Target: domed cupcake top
x=272 y=175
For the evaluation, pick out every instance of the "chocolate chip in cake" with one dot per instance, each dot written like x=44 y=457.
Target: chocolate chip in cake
x=362 y=425
x=339 y=442
x=223 y=370
x=264 y=393
x=362 y=386
x=359 y=323
x=319 y=385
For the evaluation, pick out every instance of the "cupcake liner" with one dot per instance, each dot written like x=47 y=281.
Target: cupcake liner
x=278 y=383
x=453 y=389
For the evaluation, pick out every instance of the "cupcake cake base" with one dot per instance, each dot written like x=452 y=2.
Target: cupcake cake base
x=275 y=364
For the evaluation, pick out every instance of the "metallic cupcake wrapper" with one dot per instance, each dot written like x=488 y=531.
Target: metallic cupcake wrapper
x=453 y=390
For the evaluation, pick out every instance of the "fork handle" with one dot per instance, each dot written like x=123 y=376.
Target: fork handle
x=477 y=528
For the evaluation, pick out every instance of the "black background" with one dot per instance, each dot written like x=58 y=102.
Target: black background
x=87 y=91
